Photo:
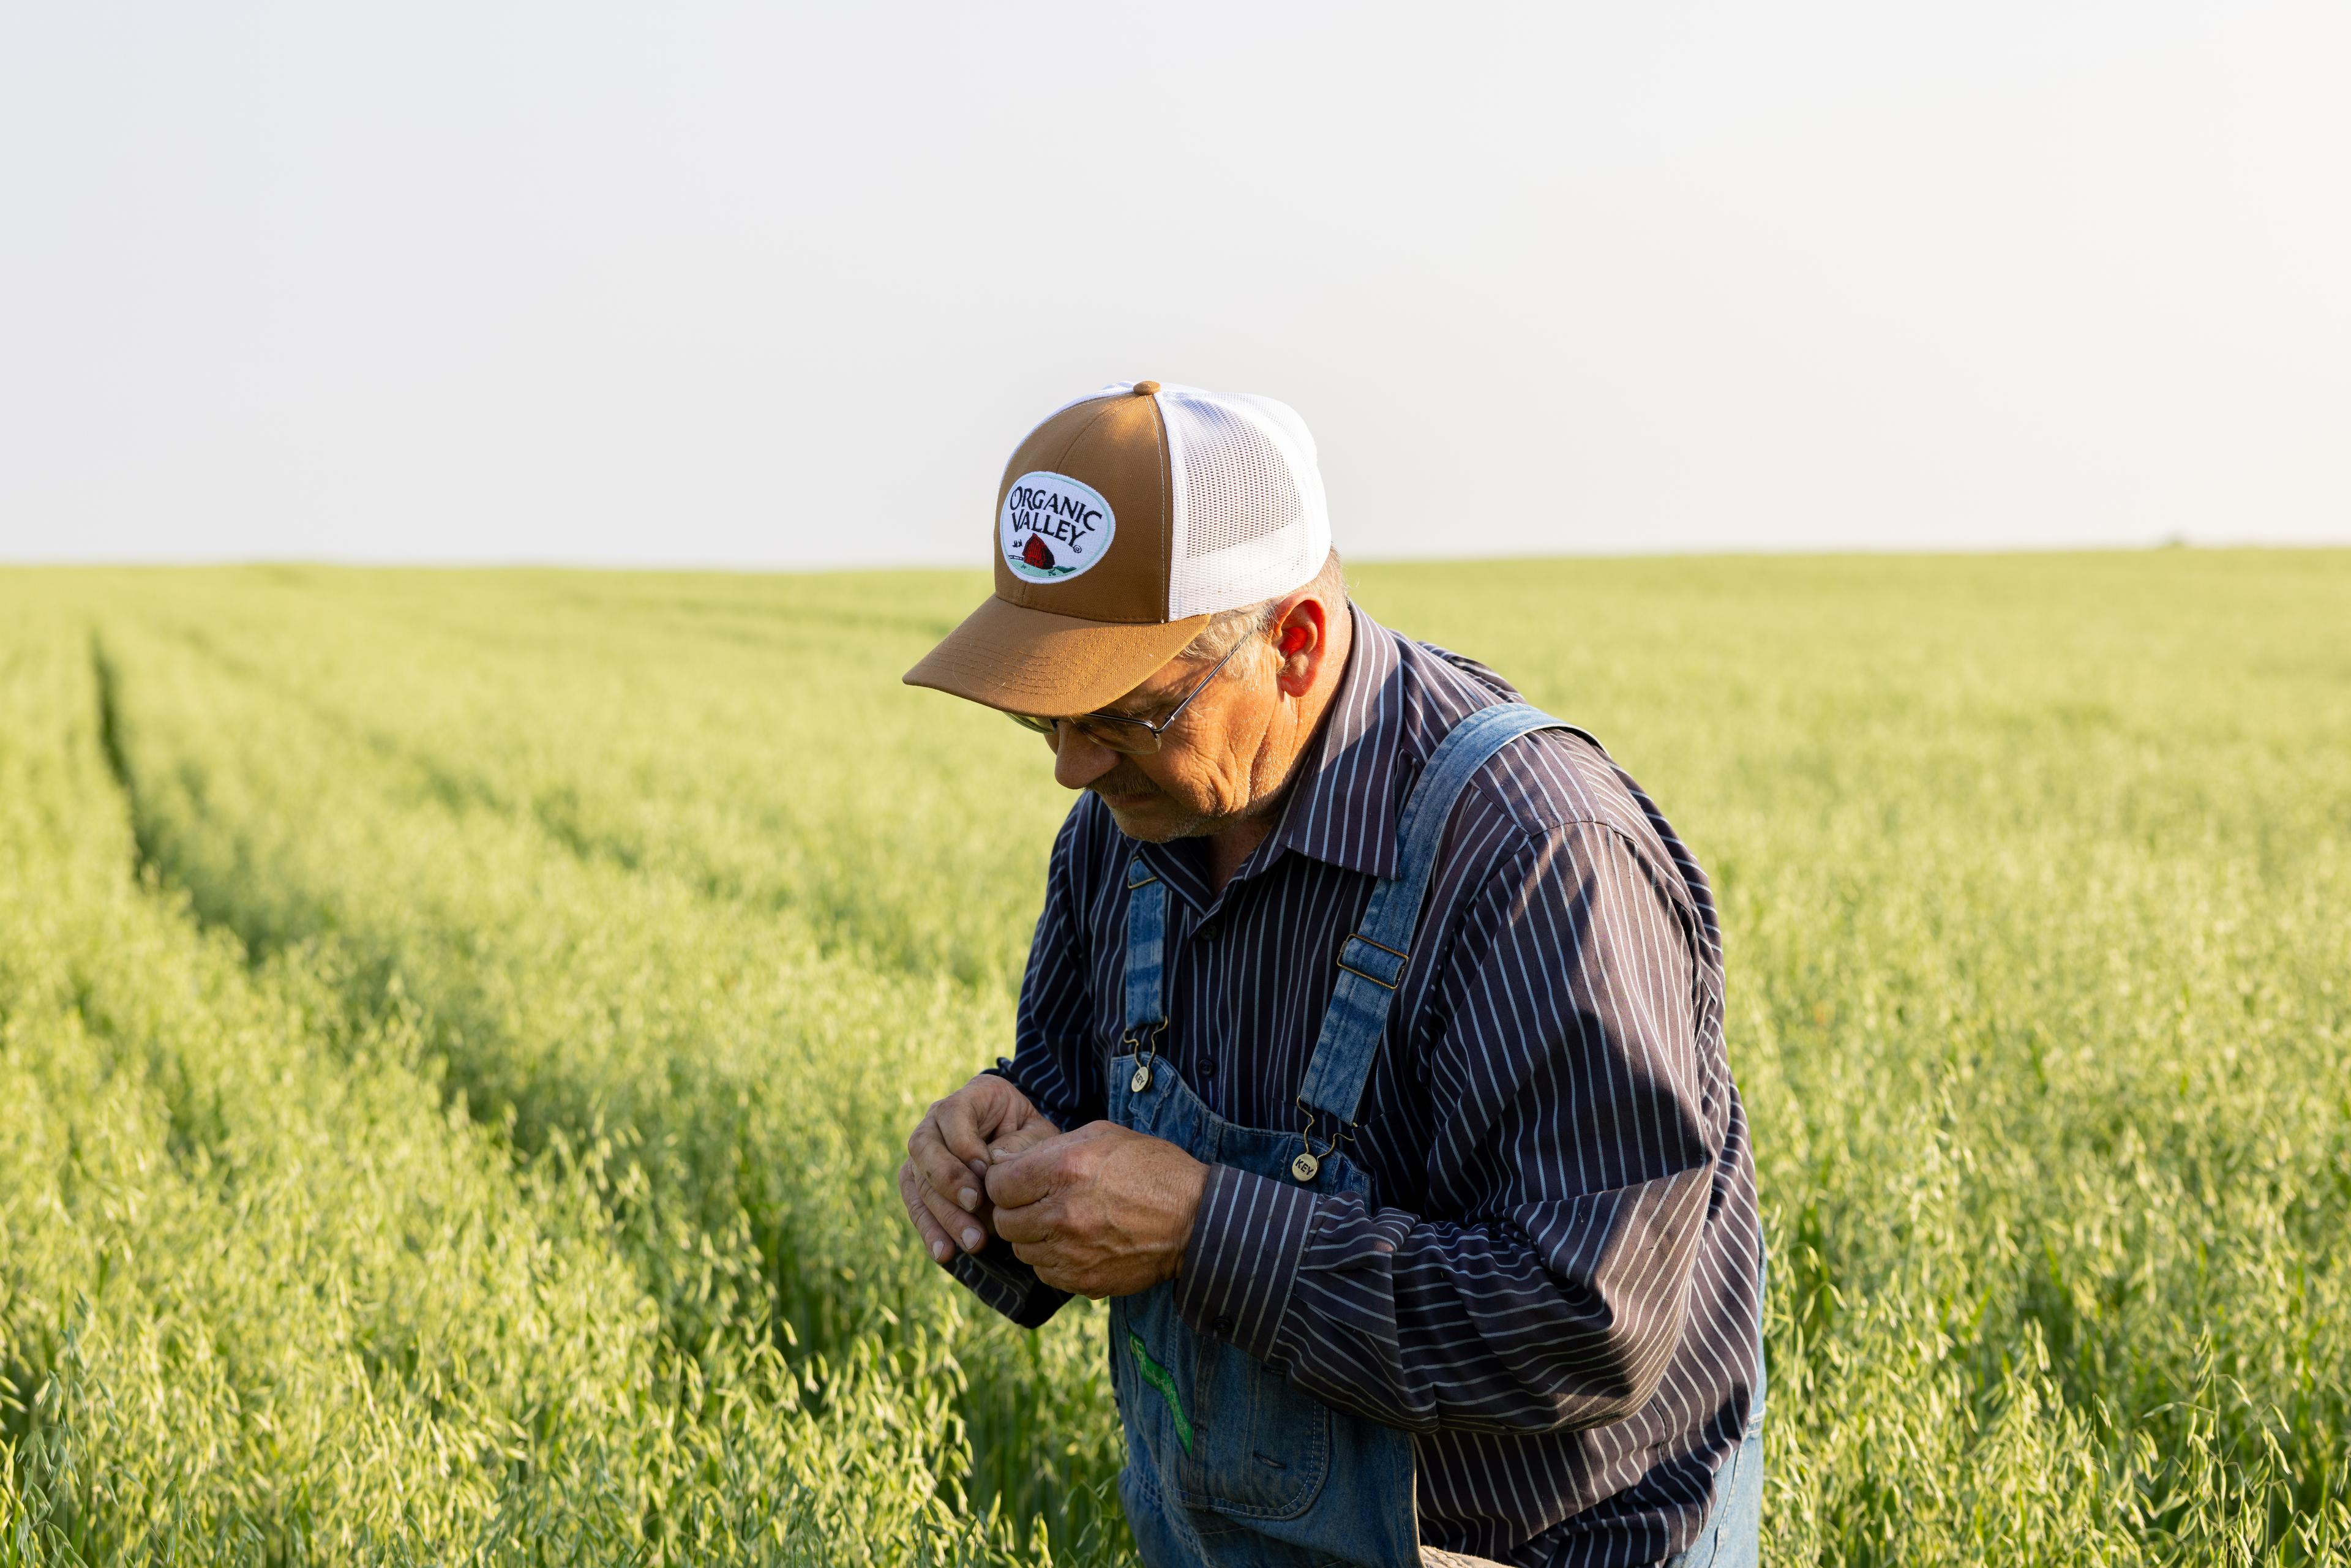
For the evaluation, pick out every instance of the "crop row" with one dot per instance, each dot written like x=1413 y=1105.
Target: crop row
x=267 y=1295
x=746 y=1090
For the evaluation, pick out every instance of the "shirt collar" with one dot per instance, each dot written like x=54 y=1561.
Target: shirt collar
x=1343 y=806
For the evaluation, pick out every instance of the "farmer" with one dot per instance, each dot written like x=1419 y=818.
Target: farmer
x=1369 y=1054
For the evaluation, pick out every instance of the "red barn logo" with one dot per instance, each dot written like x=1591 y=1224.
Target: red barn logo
x=1052 y=526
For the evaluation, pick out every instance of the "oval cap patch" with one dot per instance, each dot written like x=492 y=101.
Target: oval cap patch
x=1053 y=527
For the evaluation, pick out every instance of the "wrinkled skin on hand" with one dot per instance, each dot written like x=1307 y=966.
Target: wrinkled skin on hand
x=943 y=1180
x=1100 y=1211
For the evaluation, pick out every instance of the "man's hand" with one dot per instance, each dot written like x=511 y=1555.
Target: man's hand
x=944 y=1179
x=1103 y=1211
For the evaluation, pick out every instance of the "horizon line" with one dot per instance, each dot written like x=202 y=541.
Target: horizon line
x=1923 y=552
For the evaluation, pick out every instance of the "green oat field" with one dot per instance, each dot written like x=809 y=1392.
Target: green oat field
x=457 y=1031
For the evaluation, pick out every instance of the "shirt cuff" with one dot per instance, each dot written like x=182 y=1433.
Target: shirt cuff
x=997 y=1277
x=1242 y=1259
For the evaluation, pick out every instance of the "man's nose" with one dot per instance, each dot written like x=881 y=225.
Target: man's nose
x=1079 y=760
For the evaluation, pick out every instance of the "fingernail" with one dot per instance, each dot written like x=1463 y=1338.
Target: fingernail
x=971 y=1239
x=938 y=1251
x=979 y=1167
x=969 y=1199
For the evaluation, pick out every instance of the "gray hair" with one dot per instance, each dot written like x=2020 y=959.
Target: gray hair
x=1228 y=628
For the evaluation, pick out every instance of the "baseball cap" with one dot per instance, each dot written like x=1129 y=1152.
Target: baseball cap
x=1123 y=522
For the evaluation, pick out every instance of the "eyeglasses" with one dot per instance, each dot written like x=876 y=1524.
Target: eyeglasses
x=1135 y=737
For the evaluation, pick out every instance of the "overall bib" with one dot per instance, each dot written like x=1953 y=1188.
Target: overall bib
x=1228 y=1466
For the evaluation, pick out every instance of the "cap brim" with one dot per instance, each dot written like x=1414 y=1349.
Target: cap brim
x=1031 y=661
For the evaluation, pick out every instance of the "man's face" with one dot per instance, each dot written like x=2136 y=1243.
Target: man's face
x=1204 y=775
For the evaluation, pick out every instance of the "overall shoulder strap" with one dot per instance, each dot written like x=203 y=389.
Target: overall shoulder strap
x=1146 y=943
x=1371 y=962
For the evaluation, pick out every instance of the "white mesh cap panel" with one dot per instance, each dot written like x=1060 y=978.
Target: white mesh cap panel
x=1250 y=521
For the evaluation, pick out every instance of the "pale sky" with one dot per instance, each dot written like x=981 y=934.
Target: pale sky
x=782 y=286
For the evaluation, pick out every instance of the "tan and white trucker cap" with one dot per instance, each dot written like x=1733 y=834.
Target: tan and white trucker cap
x=1123 y=522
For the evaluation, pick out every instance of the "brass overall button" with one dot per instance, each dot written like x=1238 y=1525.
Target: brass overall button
x=1304 y=1166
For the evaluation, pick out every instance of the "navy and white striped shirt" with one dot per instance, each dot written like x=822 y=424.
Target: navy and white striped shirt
x=1554 y=1284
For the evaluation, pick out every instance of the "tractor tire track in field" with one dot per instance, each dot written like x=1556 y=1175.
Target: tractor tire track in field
x=458 y=790
x=809 y=855
x=223 y=1136
x=145 y=866
x=557 y=815
x=371 y=985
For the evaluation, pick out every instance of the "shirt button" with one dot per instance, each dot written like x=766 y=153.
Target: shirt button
x=1208 y=1067
x=1209 y=930
x=1222 y=1328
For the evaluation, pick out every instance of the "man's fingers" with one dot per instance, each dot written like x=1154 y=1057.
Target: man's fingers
x=966 y=1119
x=951 y=1177
x=1021 y=1140
x=1025 y=1227
x=1025 y=1178
x=967 y=1230
x=918 y=1212
x=944 y=1181
x=1028 y=1174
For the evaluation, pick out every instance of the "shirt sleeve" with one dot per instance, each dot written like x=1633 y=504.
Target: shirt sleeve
x=1568 y=1069
x=1051 y=1064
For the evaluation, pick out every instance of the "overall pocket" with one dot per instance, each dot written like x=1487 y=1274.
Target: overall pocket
x=1261 y=1450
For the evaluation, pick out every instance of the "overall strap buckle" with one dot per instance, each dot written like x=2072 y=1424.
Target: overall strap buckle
x=1375 y=961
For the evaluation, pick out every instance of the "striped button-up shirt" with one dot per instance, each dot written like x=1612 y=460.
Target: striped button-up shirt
x=1553 y=1284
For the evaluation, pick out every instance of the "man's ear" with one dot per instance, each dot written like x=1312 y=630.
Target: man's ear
x=1302 y=640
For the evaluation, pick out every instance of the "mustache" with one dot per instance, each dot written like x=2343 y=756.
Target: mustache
x=1125 y=778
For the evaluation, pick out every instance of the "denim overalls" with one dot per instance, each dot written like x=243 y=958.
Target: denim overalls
x=1226 y=1464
